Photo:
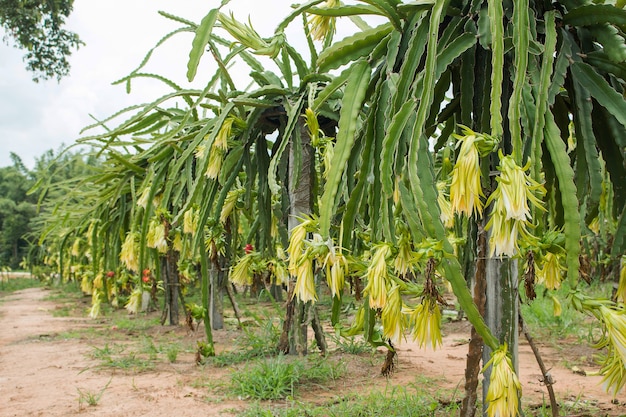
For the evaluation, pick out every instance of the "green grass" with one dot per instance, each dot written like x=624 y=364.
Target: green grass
x=9 y=285
x=540 y=318
x=252 y=343
x=280 y=377
x=394 y=402
x=115 y=356
x=89 y=397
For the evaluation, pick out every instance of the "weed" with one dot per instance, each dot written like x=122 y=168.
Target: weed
x=396 y=402
x=252 y=344
x=279 y=377
x=90 y=398
x=113 y=357
x=9 y=285
x=172 y=353
x=352 y=345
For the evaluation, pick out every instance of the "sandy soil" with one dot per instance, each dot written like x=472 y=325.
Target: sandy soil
x=43 y=374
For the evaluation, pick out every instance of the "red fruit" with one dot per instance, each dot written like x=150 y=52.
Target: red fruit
x=145 y=278
x=110 y=274
x=249 y=248
x=146 y=272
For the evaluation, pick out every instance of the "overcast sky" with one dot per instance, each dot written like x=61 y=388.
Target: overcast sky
x=118 y=34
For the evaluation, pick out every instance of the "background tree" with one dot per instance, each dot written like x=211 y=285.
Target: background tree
x=16 y=211
x=36 y=26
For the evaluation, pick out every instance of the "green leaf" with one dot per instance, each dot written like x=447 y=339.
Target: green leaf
x=601 y=90
x=354 y=95
x=595 y=14
x=199 y=43
x=352 y=47
x=565 y=175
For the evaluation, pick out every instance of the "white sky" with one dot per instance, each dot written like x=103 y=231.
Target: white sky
x=118 y=33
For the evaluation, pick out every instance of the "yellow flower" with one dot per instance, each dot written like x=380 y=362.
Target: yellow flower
x=241 y=273
x=281 y=275
x=134 y=301
x=336 y=269
x=129 y=251
x=465 y=188
x=229 y=203
x=85 y=285
x=504 y=386
x=96 y=301
x=614 y=366
x=510 y=214
x=190 y=221
x=305 y=282
x=200 y=151
x=378 y=277
x=216 y=157
x=404 y=259
x=221 y=140
x=323 y=27
x=142 y=201
x=551 y=274
x=447 y=214
x=155 y=237
x=426 y=321
x=504 y=232
x=391 y=317
x=296 y=243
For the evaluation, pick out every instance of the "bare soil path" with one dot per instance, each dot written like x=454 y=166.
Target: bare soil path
x=43 y=373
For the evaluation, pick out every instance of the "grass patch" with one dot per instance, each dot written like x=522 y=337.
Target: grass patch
x=539 y=315
x=89 y=397
x=395 y=402
x=278 y=378
x=9 y=285
x=115 y=356
x=252 y=343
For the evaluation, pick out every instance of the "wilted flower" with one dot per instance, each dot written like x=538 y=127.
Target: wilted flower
x=96 y=301
x=510 y=214
x=323 y=27
x=296 y=243
x=129 y=251
x=447 y=214
x=336 y=268
x=281 y=276
x=155 y=237
x=504 y=386
x=229 y=203
x=85 y=285
x=465 y=189
x=305 y=282
x=551 y=274
x=142 y=201
x=76 y=247
x=391 y=316
x=134 y=301
x=378 y=277
x=402 y=262
x=241 y=273
x=190 y=221
x=216 y=157
x=426 y=321
x=614 y=366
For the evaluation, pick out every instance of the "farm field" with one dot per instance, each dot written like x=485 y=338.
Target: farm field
x=54 y=361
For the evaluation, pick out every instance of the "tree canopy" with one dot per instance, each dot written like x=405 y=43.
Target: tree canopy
x=36 y=26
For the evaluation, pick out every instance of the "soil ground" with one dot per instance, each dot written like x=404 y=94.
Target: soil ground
x=47 y=368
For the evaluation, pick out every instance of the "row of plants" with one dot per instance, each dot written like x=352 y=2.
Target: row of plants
x=416 y=154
